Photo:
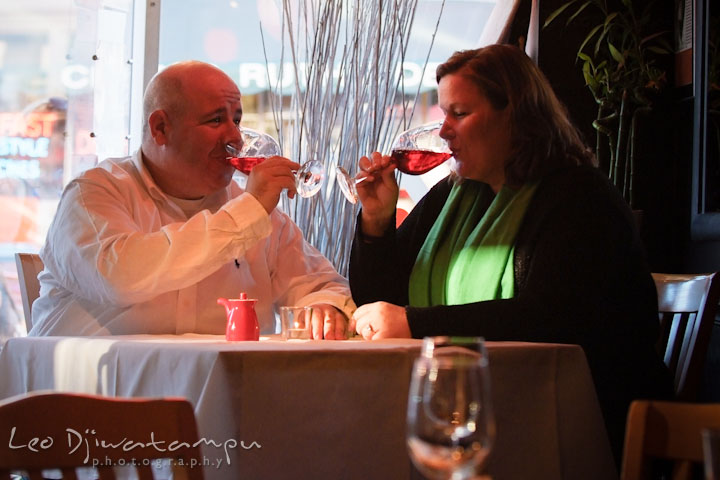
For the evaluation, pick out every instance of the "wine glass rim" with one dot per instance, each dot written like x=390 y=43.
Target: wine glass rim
x=450 y=410
x=422 y=126
x=250 y=129
x=472 y=344
x=425 y=137
x=256 y=143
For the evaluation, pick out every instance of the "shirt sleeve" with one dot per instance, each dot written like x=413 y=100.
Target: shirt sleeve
x=115 y=248
x=380 y=267
x=300 y=274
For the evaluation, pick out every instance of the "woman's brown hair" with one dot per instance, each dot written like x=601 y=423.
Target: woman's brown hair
x=542 y=136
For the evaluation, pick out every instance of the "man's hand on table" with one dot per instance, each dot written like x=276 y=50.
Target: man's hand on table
x=328 y=322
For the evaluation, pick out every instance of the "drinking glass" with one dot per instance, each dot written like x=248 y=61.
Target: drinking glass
x=296 y=322
x=414 y=151
x=450 y=424
x=257 y=146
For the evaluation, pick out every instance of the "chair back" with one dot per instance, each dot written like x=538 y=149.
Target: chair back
x=62 y=431
x=687 y=305
x=670 y=431
x=28 y=266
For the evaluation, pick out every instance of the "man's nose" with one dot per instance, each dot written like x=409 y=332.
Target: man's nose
x=235 y=136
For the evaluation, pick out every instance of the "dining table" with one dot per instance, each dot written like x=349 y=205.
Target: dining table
x=326 y=409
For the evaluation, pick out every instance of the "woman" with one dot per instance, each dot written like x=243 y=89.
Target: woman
x=526 y=241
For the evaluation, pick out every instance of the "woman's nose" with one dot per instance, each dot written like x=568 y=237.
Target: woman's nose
x=445 y=131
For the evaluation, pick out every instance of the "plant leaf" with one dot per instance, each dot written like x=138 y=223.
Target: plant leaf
x=557 y=12
x=589 y=37
x=658 y=50
x=609 y=19
x=616 y=54
x=599 y=40
x=579 y=10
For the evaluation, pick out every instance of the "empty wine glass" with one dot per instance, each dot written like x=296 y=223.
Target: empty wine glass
x=415 y=151
x=450 y=424
x=257 y=146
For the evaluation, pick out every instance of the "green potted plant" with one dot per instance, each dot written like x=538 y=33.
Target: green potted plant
x=622 y=64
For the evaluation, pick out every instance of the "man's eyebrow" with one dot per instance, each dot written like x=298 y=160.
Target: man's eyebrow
x=217 y=111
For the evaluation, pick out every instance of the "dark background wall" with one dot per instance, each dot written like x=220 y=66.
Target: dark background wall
x=667 y=189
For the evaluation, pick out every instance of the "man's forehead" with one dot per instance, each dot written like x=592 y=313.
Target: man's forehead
x=225 y=100
x=230 y=95
x=216 y=98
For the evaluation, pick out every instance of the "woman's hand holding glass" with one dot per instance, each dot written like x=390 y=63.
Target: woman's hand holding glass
x=378 y=194
x=414 y=152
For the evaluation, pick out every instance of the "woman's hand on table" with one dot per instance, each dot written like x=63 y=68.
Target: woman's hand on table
x=380 y=320
x=328 y=322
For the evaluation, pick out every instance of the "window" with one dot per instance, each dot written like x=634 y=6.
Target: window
x=64 y=89
x=69 y=90
x=245 y=40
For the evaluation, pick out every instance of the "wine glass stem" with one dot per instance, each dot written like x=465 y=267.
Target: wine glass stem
x=371 y=172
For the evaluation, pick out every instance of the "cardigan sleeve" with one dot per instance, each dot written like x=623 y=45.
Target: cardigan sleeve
x=380 y=267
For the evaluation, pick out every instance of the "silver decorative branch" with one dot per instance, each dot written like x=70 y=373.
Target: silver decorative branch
x=349 y=100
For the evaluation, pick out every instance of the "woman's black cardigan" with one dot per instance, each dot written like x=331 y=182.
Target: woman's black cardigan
x=580 y=278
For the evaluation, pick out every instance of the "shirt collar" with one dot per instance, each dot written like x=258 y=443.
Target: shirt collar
x=213 y=201
x=146 y=178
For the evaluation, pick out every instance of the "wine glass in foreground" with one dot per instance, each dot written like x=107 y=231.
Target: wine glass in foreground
x=450 y=424
x=415 y=151
x=258 y=146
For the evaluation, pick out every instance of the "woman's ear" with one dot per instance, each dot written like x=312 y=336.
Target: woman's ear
x=159 y=124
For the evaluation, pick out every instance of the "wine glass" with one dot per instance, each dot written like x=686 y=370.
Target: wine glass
x=415 y=151
x=257 y=146
x=450 y=424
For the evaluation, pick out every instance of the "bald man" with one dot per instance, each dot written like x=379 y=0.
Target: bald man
x=147 y=243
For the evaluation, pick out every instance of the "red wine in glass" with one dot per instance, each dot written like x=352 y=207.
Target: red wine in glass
x=257 y=146
x=245 y=164
x=417 y=162
x=414 y=152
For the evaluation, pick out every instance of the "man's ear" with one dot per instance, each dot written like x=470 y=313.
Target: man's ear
x=159 y=126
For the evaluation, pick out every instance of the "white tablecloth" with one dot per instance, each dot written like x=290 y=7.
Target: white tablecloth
x=325 y=409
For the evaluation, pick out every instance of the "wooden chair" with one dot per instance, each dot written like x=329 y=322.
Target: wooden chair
x=687 y=306
x=28 y=266
x=49 y=431
x=669 y=431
